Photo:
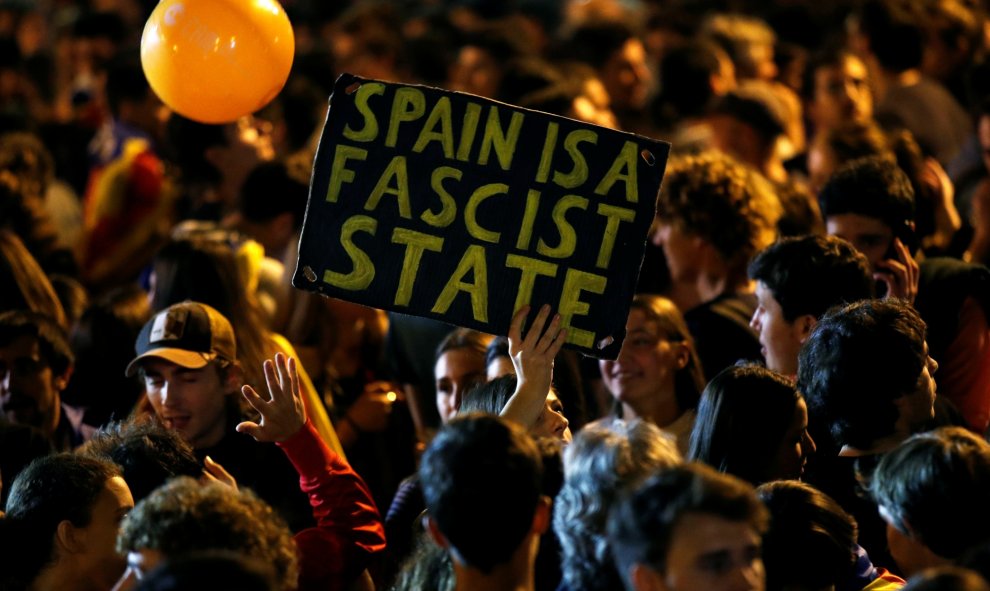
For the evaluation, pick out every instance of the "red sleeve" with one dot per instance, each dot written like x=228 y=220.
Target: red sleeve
x=348 y=528
x=964 y=374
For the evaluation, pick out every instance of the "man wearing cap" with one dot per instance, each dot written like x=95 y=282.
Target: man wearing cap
x=187 y=357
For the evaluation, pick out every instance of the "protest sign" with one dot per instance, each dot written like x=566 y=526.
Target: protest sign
x=464 y=209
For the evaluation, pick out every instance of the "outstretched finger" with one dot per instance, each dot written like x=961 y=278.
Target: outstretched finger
x=292 y=371
x=558 y=343
x=282 y=371
x=250 y=428
x=253 y=399
x=515 y=327
x=533 y=335
x=218 y=473
x=270 y=378
x=549 y=334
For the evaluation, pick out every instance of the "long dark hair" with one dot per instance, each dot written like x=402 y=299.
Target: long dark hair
x=743 y=416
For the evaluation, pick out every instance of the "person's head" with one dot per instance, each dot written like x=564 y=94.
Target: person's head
x=64 y=512
x=947 y=578
x=273 y=222
x=836 y=89
x=613 y=49
x=932 y=492
x=713 y=215
x=131 y=99
x=658 y=361
x=483 y=474
x=185 y=516
x=481 y=64
x=752 y=423
x=459 y=366
x=866 y=373
x=687 y=528
x=797 y=280
x=749 y=42
x=747 y=122
x=26 y=286
x=598 y=465
x=847 y=141
x=219 y=268
x=103 y=344
x=811 y=543
x=187 y=357
x=35 y=366
x=218 y=155
x=890 y=32
x=200 y=266
x=491 y=397
x=869 y=202
x=146 y=452
x=693 y=75
x=498 y=363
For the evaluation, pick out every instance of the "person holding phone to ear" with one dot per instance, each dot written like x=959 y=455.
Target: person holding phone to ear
x=870 y=203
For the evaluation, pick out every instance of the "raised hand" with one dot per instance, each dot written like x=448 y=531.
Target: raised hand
x=284 y=413
x=900 y=273
x=214 y=472
x=532 y=357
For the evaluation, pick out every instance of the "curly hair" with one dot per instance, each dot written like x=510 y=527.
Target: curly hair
x=717 y=198
x=601 y=461
x=184 y=516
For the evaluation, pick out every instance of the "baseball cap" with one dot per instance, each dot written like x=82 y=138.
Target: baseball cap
x=188 y=334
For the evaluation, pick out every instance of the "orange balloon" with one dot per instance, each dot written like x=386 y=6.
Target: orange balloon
x=217 y=60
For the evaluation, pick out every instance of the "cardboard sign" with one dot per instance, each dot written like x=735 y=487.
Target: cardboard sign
x=463 y=209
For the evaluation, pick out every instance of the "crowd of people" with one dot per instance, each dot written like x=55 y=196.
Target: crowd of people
x=801 y=401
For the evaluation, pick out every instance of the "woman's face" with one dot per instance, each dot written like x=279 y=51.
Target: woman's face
x=456 y=372
x=552 y=422
x=797 y=445
x=647 y=364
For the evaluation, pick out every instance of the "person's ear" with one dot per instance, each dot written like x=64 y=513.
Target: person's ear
x=804 y=325
x=234 y=379
x=542 y=515
x=68 y=539
x=644 y=578
x=683 y=355
x=435 y=534
x=62 y=381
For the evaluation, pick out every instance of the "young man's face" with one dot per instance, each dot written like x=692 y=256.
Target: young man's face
x=841 y=94
x=29 y=390
x=99 y=562
x=870 y=236
x=456 y=372
x=627 y=77
x=193 y=402
x=917 y=408
x=712 y=553
x=780 y=340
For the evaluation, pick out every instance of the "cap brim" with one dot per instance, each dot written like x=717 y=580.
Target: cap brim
x=180 y=357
